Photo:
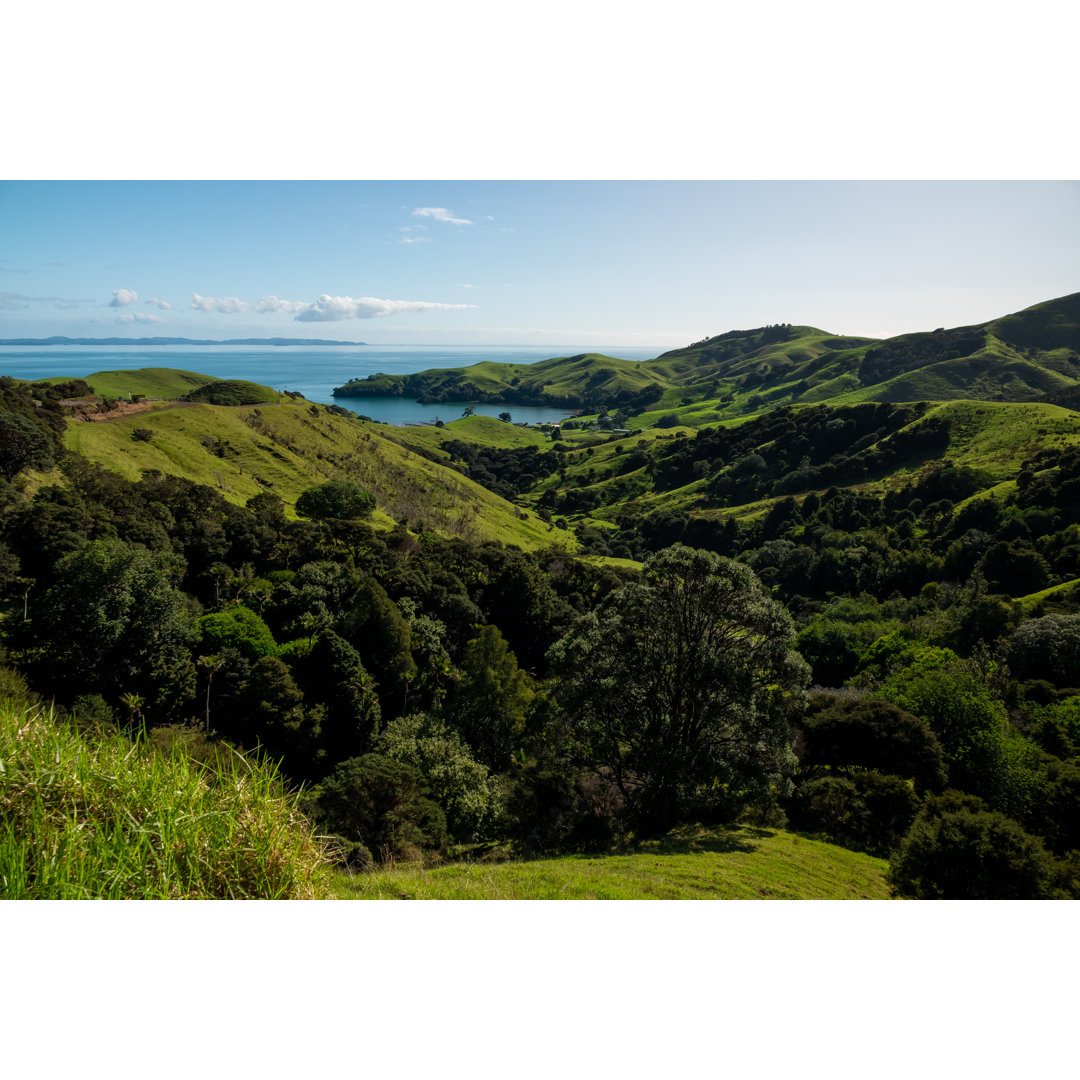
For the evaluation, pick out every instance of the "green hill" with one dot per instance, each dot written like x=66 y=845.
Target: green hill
x=570 y=382
x=1032 y=355
x=479 y=430
x=288 y=447
x=638 y=473
x=691 y=863
x=152 y=382
x=1028 y=356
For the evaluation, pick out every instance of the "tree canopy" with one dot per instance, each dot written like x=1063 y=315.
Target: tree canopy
x=680 y=687
x=336 y=499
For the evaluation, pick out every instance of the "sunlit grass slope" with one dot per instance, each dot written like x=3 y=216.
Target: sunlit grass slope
x=560 y=380
x=1000 y=436
x=479 y=430
x=997 y=439
x=738 y=863
x=1028 y=356
x=97 y=816
x=152 y=382
x=285 y=449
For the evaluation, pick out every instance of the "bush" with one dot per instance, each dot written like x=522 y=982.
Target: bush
x=237 y=628
x=1056 y=727
x=457 y=781
x=871 y=734
x=234 y=392
x=13 y=686
x=24 y=444
x=383 y=805
x=956 y=851
x=337 y=499
x=867 y=810
x=540 y=807
x=1047 y=648
x=985 y=754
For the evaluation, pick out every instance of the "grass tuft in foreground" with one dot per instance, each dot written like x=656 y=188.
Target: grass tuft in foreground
x=691 y=863
x=98 y=816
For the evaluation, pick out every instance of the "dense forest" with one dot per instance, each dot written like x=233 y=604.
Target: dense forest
x=845 y=619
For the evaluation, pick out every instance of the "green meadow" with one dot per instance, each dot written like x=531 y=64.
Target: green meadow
x=691 y=863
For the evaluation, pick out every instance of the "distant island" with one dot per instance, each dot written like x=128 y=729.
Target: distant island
x=171 y=341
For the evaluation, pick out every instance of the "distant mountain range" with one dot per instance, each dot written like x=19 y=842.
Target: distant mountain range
x=171 y=341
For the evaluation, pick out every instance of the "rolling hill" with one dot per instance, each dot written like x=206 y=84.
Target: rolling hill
x=1031 y=355
x=288 y=445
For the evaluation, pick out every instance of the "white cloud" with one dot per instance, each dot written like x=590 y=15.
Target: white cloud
x=326 y=309
x=226 y=305
x=335 y=308
x=440 y=213
x=415 y=240
x=158 y=303
x=123 y=297
x=269 y=304
x=139 y=317
x=465 y=285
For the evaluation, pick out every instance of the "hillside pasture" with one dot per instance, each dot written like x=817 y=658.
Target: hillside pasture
x=691 y=863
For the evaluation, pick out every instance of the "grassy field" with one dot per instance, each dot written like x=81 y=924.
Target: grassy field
x=694 y=863
x=480 y=430
x=287 y=448
x=153 y=382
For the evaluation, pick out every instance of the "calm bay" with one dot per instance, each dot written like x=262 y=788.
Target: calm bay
x=313 y=370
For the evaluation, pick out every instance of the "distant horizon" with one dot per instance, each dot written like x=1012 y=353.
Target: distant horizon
x=147 y=344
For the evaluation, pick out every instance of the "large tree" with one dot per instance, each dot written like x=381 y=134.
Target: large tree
x=115 y=622
x=680 y=686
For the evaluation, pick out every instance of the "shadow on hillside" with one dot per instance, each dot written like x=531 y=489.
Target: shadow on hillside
x=696 y=841
x=683 y=840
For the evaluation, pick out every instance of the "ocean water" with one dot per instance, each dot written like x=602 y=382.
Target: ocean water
x=313 y=370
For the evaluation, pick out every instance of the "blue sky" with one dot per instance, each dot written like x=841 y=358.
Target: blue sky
x=656 y=263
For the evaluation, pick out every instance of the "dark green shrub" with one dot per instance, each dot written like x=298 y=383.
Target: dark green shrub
x=870 y=734
x=1056 y=727
x=350 y=853
x=984 y=753
x=1047 y=648
x=92 y=711
x=383 y=805
x=24 y=444
x=957 y=852
x=456 y=780
x=13 y=687
x=336 y=499
x=234 y=392
x=1055 y=816
x=869 y=810
x=540 y=807
x=237 y=628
